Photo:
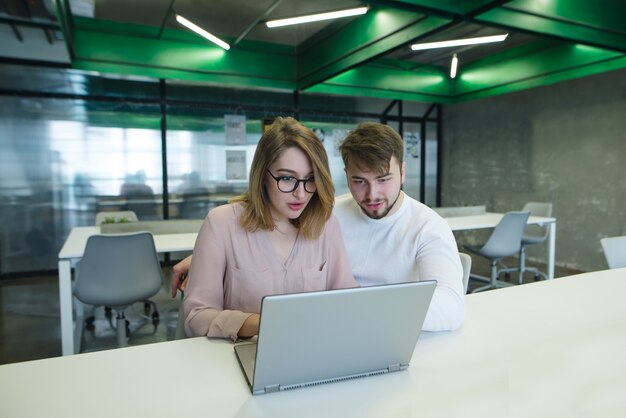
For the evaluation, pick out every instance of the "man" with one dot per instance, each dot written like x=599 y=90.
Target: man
x=389 y=236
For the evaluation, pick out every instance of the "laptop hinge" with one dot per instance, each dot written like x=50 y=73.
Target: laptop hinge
x=394 y=367
x=272 y=388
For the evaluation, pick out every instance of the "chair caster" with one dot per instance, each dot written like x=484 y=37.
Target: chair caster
x=89 y=323
x=537 y=277
x=155 y=317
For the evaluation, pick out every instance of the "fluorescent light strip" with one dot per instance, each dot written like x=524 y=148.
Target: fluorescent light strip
x=316 y=17
x=217 y=41
x=459 y=42
x=453 y=66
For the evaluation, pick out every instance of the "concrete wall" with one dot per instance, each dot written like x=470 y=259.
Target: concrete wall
x=564 y=143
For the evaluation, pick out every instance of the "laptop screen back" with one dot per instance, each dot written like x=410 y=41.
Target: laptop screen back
x=315 y=337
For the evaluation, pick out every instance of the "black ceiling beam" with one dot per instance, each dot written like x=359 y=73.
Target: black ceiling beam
x=267 y=12
x=170 y=9
x=35 y=23
x=27 y=9
x=485 y=8
x=17 y=33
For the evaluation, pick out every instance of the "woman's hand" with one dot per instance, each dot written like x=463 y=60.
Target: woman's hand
x=179 y=275
x=250 y=328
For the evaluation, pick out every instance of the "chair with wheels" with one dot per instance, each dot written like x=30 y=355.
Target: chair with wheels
x=122 y=216
x=117 y=271
x=466 y=263
x=615 y=251
x=533 y=234
x=504 y=241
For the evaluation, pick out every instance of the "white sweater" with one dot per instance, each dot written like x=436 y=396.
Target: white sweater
x=414 y=243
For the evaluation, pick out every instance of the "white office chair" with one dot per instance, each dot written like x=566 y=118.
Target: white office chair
x=466 y=263
x=504 y=241
x=533 y=234
x=117 y=271
x=615 y=251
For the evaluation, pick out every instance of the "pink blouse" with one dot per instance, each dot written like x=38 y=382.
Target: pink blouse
x=232 y=269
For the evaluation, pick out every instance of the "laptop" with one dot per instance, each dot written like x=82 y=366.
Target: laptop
x=310 y=338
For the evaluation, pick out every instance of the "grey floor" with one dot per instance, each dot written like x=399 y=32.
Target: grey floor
x=30 y=323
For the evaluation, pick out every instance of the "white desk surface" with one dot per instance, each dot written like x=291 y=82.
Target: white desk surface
x=487 y=220
x=76 y=241
x=547 y=349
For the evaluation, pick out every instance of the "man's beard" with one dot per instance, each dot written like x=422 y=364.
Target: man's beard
x=382 y=214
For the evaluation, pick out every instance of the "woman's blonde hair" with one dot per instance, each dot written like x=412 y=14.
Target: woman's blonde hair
x=286 y=133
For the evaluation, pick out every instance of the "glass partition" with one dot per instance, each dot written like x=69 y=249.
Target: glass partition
x=65 y=160
x=78 y=143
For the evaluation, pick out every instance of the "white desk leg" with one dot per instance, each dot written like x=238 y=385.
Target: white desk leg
x=551 y=249
x=65 y=304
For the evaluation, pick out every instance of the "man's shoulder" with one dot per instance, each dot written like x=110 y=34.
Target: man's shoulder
x=422 y=215
x=344 y=199
x=416 y=205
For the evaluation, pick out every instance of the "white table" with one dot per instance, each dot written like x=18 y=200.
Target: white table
x=490 y=220
x=72 y=251
x=547 y=349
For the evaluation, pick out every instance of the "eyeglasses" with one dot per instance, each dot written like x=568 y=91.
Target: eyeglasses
x=288 y=184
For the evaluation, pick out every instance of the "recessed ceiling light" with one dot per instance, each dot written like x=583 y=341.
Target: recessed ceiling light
x=197 y=29
x=316 y=17
x=459 y=42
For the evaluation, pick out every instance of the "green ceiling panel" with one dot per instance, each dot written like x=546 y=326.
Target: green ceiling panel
x=459 y=7
x=374 y=34
x=528 y=66
x=429 y=84
x=97 y=49
x=216 y=79
x=546 y=79
x=543 y=64
x=351 y=60
x=546 y=25
x=607 y=14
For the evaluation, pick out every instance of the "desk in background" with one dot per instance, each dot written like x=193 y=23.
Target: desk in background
x=490 y=220
x=71 y=252
x=547 y=349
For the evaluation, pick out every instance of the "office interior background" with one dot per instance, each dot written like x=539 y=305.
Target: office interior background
x=72 y=135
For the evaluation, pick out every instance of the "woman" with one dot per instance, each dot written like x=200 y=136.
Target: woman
x=278 y=237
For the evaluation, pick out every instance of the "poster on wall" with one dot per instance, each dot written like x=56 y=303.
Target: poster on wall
x=235 y=129
x=412 y=144
x=236 y=165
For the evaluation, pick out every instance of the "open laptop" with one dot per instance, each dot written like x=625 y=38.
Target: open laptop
x=311 y=338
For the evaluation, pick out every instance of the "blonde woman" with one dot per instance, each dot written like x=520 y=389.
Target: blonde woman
x=278 y=237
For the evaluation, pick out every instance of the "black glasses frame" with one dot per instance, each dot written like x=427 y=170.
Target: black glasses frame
x=295 y=187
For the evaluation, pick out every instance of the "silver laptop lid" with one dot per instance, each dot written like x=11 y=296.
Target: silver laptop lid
x=317 y=337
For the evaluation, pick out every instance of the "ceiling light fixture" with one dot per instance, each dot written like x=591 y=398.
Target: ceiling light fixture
x=197 y=29
x=316 y=17
x=453 y=66
x=459 y=42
